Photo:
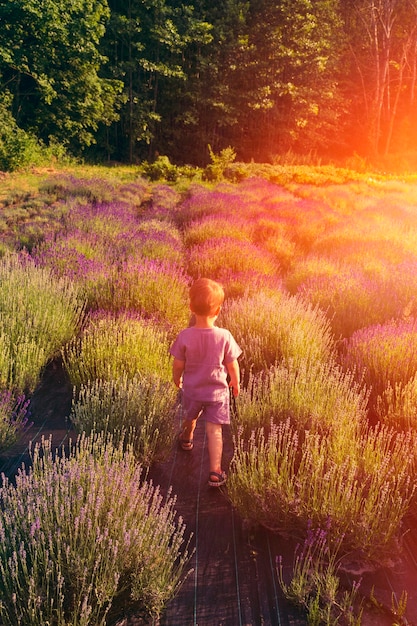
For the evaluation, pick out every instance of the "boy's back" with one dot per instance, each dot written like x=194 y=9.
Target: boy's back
x=205 y=352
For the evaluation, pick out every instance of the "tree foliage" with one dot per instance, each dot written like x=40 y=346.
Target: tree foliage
x=133 y=79
x=50 y=62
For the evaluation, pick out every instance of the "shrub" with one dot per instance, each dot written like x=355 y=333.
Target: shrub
x=39 y=314
x=160 y=240
x=74 y=189
x=154 y=289
x=77 y=530
x=371 y=234
x=315 y=584
x=219 y=163
x=273 y=235
x=225 y=255
x=317 y=397
x=211 y=227
x=351 y=300
x=384 y=354
x=224 y=201
x=397 y=405
x=274 y=326
x=17 y=147
x=284 y=481
x=13 y=418
x=354 y=296
x=104 y=233
x=106 y=220
x=163 y=203
x=161 y=169
x=111 y=347
x=249 y=283
x=82 y=259
x=120 y=263
x=140 y=409
x=311 y=268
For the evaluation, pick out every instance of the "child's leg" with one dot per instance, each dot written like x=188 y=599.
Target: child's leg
x=215 y=446
x=191 y=412
x=187 y=431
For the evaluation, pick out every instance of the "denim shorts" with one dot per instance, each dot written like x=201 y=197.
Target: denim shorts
x=215 y=411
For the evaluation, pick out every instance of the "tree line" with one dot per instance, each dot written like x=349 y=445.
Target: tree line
x=126 y=80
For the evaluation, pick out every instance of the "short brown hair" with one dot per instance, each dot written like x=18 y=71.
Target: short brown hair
x=206 y=296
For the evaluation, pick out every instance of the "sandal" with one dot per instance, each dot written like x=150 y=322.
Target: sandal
x=186 y=444
x=219 y=479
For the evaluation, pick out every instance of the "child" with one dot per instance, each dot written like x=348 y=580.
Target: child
x=204 y=355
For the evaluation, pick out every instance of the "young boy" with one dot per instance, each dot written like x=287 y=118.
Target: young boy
x=204 y=355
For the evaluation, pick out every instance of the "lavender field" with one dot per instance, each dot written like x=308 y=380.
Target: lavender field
x=319 y=267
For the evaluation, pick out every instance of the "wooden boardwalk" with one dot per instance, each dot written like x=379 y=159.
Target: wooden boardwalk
x=233 y=580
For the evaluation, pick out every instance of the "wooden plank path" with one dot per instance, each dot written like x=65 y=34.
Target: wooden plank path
x=233 y=580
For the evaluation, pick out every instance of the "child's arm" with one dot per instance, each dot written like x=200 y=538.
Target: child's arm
x=177 y=372
x=234 y=373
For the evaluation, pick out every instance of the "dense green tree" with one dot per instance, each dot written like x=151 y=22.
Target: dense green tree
x=146 y=41
x=138 y=78
x=296 y=51
x=210 y=106
x=266 y=82
x=50 y=63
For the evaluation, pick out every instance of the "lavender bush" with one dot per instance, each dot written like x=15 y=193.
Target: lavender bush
x=315 y=584
x=38 y=315
x=161 y=241
x=275 y=236
x=354 y=299
x=119 y=262
x=201 y=202
x=208 y=259
x=80 y=528
x=13 y=418
x=384 y=354
x=310 y=268
x=78 y=187
x=154 y=289
x=364 y=235
x=282 y=480
x=273 y=326
x=139 y=410
x=397 y=405
x=318 y=397
x=112 y=347
x=205 y=229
